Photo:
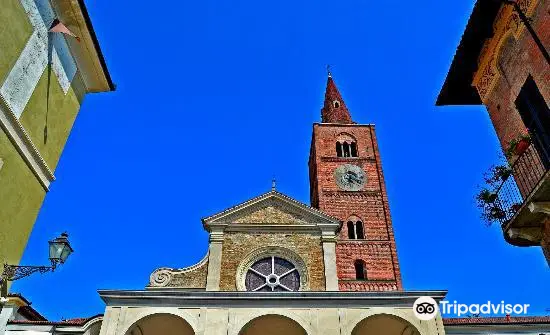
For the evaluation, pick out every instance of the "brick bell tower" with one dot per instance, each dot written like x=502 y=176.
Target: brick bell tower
x=346 y=181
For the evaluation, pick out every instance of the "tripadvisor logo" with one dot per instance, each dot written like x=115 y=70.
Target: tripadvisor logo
x=426 y=308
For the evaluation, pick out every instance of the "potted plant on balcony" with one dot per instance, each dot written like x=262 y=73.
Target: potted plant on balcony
x=486 y=202
x=486 y=197
x=497 y=174
x=517 y=146
x=496 y=213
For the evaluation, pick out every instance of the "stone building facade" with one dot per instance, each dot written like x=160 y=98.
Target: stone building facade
x=19 y=317
x=503 y=63
x=49 y=60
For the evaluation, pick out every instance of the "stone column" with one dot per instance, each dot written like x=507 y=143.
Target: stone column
x=111 y=321
x=329 y=257
x=7 y=311
x=214 y=259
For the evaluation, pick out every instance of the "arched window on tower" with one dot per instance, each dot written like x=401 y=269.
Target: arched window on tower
x=336 y=104
x=359 y=270
x=356 y=229
x=346 y=149
x=359 y=230
x=353 y=148
x=351 y=230
x=346 y=145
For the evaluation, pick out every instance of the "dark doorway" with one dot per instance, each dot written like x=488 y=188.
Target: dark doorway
x=536 y=116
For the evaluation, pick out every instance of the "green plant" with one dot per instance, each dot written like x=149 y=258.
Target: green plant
x=497 y=174
x=513 y=145
x=496 y=213
x=486 y=197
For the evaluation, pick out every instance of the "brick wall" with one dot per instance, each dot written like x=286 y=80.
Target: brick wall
x=514 y=56
x=236 y=246
x=516 y=59
x=370 y=205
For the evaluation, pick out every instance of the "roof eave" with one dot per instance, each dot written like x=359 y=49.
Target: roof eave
x=86 y=51
x=95 y=41
x=457 y=88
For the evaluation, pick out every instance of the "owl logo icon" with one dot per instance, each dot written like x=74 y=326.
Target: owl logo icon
x=425 y=308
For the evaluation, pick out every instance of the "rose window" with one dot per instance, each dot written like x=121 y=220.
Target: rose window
x=272 y=274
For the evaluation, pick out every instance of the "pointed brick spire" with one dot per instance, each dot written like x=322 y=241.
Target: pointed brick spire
x=334 y=110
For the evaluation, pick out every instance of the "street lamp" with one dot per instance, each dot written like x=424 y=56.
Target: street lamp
x=60 y=249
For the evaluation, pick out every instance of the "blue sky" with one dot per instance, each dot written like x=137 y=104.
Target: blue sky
x=215 y=97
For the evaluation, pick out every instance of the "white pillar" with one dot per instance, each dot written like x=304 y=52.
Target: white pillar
x=214 y=261
x=7 y=311
x=329 y=257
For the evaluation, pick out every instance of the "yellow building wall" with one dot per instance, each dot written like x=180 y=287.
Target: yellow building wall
x=21 y=194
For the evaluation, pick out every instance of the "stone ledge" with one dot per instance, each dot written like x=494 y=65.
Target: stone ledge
x=318 y=299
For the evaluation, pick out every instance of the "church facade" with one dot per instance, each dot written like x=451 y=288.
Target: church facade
x=278 y=266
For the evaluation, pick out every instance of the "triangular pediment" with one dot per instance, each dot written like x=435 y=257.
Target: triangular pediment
x=272 y=208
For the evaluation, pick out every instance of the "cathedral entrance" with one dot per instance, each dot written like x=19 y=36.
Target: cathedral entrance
x=165 y=324
x=384 y=324
x=272 y=325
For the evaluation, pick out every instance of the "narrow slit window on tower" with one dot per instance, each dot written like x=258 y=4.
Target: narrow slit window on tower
x=359 y=229
x=353 y=148
x=351 y=230
x=359 y=270
x=338 y=149
x=346 y=149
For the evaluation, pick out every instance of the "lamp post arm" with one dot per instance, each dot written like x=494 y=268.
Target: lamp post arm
x=527 y=24
x=14 y=272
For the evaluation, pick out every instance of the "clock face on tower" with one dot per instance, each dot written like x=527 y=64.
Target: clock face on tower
x=349 y=177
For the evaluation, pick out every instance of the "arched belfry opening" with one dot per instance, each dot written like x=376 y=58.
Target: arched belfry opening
x=165 y=324
x=384 y=324
x=272 y=325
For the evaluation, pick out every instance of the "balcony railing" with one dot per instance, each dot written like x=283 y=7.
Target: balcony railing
x=527 y=169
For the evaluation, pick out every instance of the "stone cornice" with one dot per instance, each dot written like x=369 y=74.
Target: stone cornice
x=274 y=195
x=343 y=124
x=348 y=159
x=322 y=228
x=339 y=193
x=186 y=298
x=24 y=145
x=216 y=235
x=490 y=328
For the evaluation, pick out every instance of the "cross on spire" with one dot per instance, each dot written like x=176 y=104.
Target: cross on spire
x=329 y=73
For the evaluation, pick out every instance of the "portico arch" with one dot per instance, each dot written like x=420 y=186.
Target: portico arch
x=272 y=324
x=161 y=323
x=384 y=324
